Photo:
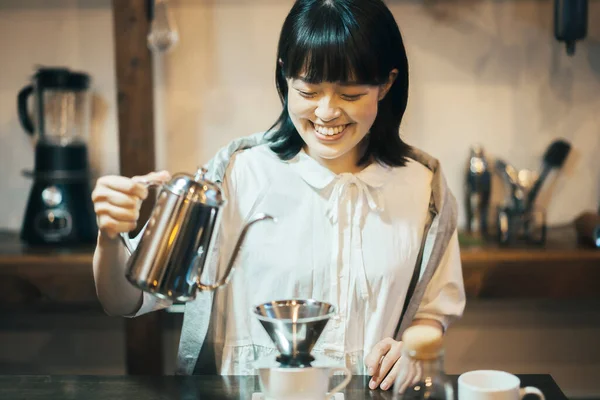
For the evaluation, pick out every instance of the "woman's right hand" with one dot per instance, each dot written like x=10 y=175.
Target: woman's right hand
x=117 y=201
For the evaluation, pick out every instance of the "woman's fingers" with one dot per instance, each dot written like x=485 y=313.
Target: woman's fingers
x=125 y=185
x=157 y=177
x=373 y=359
x=112 y=227
x=418 y=373
x=119 y=199
x=117 y=213
x=381 y=360
x=387 y=363
x=388 y=382
x=412 y=373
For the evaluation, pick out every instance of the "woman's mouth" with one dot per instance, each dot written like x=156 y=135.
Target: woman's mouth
x=329 y=133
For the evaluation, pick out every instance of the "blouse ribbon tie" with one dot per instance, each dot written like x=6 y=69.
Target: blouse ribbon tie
x=337 y=200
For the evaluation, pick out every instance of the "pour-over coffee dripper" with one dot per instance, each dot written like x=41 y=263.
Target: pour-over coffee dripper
x=294 y=326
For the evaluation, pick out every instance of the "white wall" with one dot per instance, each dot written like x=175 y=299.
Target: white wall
x=73 y=33
x=487 y=72
x=482 y=71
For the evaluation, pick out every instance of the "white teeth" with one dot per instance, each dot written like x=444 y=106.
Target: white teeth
x=323 y=130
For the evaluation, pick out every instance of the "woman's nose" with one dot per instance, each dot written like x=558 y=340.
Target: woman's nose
x=326 y=110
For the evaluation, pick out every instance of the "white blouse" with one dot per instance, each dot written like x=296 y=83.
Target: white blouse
x=349 y=239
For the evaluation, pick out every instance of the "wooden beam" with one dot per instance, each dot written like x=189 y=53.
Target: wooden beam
x=136 y=155
x=135 y=87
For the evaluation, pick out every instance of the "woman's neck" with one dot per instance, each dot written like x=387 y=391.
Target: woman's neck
x=347 y=163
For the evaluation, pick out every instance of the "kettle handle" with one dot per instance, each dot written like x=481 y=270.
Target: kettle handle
x=229 y=271
x=124 y=236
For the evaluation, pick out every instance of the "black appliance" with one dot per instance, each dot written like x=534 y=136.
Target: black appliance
x=59 y=210
x=570 y=22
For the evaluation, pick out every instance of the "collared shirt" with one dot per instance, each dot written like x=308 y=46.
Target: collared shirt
x=349 y=239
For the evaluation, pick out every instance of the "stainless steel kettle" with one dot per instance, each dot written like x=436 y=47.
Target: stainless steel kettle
x=178 y=239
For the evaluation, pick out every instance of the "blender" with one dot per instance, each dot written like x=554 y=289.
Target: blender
x=295 y=326
x=59 y=209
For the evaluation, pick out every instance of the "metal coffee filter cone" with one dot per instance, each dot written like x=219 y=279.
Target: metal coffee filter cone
x=294 y=326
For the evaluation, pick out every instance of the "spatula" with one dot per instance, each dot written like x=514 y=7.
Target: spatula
x=555 y=156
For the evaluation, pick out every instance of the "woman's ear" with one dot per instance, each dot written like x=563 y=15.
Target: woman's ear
x=385 y=88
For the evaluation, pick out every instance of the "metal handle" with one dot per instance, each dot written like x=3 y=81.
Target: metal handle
x=125 y=239
x=230 y=269
x=200 y=174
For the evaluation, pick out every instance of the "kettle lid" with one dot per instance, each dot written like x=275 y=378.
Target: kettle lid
x=196 y=188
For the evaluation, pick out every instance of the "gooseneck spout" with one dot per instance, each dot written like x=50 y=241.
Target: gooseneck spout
x=229 y=272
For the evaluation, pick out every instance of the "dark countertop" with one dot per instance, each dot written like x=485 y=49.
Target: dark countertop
x=13 y=387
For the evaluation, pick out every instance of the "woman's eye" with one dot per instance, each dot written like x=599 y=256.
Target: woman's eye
x=307 y=95
x=351 y=97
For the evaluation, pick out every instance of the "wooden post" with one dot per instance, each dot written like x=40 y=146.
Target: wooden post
x=136 y=155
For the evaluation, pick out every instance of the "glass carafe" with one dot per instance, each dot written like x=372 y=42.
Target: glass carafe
x=61 y=106
x=422 y=375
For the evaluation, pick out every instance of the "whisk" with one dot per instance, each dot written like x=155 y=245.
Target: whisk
x=163 y=33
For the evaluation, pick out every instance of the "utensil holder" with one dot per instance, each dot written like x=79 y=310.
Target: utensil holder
x=517 y=226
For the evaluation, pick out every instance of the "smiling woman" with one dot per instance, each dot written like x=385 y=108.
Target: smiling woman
x=347 y=69
x=366 y=223
x=333 y=119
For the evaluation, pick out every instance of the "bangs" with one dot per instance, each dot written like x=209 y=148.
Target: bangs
x=329 y=47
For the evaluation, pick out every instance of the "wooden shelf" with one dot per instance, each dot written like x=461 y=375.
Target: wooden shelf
x=46 y=277
x=41 y=278
x=561 y=245
x=561 y=269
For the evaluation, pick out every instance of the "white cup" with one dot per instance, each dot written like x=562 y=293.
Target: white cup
x=300 y=383
x=493 y=385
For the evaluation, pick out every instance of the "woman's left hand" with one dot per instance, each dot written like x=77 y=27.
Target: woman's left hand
x=383 y=363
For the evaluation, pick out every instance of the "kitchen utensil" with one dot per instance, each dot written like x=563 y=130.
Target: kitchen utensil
x=510 y=177
x=555 y=156
x=177 y=241
x=478 y=189
x=59 y=209
x=514 y=226
x=420 y=370
x=526 y=178
x=295 y=326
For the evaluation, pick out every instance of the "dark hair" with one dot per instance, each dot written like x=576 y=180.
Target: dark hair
x=341 y=41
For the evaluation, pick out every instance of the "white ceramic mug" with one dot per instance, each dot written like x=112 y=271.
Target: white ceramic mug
x=300 y=383
x=493 y=385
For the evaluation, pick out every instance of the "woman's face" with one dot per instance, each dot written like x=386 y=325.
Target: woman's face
x=333 y=118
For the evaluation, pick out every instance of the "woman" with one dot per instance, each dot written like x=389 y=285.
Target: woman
x=365 y=222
